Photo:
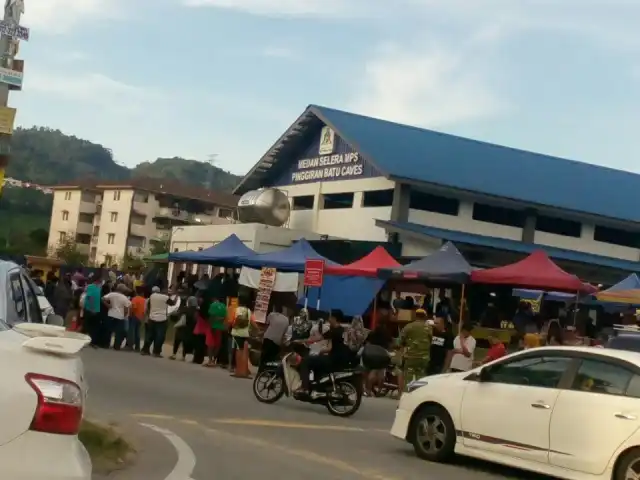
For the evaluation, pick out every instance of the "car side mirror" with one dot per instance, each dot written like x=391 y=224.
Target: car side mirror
x=56 y=320
x=485 y=375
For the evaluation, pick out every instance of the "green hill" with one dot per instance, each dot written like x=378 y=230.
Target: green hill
x=48 y=157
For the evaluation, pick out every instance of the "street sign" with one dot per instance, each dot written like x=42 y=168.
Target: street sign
x=313 y=273
x=14 y=31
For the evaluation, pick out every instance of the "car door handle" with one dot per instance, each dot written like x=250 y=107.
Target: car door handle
x=625 y=416
x=544 y=406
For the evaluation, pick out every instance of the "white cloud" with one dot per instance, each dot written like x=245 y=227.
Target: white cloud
x=432 y=88
x=58 y=16
x=91 y=89
x=291 y=8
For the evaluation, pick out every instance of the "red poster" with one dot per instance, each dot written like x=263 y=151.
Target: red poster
x=313 y=273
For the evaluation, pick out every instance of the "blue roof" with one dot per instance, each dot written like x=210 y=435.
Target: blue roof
x=227 y=252
x=510 y=245
x=290 y=259
x=412 y=153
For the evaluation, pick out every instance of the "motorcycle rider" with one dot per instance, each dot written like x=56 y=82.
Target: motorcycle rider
x=330 y=359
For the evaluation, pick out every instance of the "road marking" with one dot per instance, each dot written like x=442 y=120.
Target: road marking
x=152 y=416
x=305 y=455
x=296 y=425
x=186 y=458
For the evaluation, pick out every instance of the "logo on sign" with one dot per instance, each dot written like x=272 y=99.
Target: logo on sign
x=313 y=273
x=327 y=141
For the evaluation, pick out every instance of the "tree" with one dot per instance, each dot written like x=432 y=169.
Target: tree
x=159 y=247
x=67 y=251
x=131 y=263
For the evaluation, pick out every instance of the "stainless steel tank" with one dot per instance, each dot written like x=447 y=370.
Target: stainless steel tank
x=269 y=206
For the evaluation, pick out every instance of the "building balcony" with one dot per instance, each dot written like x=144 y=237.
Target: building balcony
x=88 y=207
x=162 y=236
x=172 y=214
x=138 y=230
x=84 y=228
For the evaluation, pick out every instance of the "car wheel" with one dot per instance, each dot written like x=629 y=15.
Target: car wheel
x=628 y=467
x=432 y=434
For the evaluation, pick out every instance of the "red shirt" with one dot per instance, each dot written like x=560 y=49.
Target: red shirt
x=495 y=352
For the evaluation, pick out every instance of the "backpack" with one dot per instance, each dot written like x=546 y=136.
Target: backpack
x=242 y=318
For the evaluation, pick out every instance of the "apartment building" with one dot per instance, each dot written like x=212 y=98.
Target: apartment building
x=110 y=219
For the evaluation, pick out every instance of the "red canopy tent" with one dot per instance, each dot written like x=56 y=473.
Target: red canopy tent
x=535 y=271
x=367 y=266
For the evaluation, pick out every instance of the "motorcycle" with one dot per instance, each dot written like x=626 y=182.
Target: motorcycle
x=340 y=392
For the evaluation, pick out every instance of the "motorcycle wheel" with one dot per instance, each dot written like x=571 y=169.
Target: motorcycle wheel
x=268 y=380
x=347 y=388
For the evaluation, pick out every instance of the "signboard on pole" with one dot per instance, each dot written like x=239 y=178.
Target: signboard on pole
x=313 y=273
x=265 y=288
x=11 y=77
x=7 y=119
x=14 y=30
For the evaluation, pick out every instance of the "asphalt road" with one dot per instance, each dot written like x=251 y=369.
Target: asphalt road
x=192 y=423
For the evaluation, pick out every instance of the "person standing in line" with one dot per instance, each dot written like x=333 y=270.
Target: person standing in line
x=415 y=341
x=464 y=346
x=240 y=333
x=105 y=325
x=156 y=328
x=138 y=312
x=441 y=351
x=119 y=307
x=217 y=314
x=184 y=328
x=92 y=305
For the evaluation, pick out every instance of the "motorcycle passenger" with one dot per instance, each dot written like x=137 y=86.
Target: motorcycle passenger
x=277 y=325
x=415 y=339
x=332 y=358
x=355 y=337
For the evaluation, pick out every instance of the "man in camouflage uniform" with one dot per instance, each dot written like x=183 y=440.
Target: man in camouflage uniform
x=415 y=340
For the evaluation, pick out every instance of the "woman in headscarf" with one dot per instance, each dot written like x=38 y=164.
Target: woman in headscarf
x=184 y=328
x=63 y=297
x=356 y=334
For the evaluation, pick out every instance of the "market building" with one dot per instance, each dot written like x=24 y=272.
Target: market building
x=359 y=178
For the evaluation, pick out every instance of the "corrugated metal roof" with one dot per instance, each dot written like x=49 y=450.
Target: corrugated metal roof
x=412 y=153
x=509 y=245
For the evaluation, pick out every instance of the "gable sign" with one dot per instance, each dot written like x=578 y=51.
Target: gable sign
x=327 y=158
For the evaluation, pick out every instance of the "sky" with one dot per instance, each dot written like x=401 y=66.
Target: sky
x=193 y=78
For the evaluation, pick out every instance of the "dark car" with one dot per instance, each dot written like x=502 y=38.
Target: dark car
x=624 y=341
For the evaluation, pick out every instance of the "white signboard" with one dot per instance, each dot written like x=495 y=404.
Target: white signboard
x=11 y=77
x=328 y=167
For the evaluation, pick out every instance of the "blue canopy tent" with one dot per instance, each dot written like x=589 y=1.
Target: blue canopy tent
x=446 y=265
x=227 y=253
x=626 y=291
x=527 y=294
x=351 y=295
x=290 y=259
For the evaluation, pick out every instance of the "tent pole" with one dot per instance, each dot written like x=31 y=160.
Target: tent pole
x=374 y=319
x=462 y=300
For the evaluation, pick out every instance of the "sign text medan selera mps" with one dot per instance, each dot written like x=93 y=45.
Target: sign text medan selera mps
x=328 y=167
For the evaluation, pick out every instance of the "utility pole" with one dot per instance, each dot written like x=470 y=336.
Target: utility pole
x=211 y=161
x=11 y=73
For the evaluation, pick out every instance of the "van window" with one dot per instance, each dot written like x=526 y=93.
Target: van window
x=34 y=314
x=16 y=306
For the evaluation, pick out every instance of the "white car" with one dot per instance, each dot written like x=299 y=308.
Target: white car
x=44 y=391
x=568 y=412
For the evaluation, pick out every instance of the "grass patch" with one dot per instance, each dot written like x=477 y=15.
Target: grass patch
x=109 y=451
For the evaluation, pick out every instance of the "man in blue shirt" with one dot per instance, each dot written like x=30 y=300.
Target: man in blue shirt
x=92 y=304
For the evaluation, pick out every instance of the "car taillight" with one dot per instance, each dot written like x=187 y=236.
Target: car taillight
x=60 y=405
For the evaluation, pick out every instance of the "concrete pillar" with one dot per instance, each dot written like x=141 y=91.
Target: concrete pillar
x=400 y=206
x=529 y=230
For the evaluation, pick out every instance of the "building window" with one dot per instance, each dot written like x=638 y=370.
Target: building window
x=65 y=215
x=83 y=238
x=377 y=198
x=67 y=195
x=225 y=213
x=615 y=236
x=558 y=226
x=114 y=217
x=434 y=203
x=334 y=201
x=111 y=238
x=116 y=195
x=62 y=237
x=303 y=202
x=498 y=215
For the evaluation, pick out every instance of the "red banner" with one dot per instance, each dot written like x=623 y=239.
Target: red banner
x=313 y=273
